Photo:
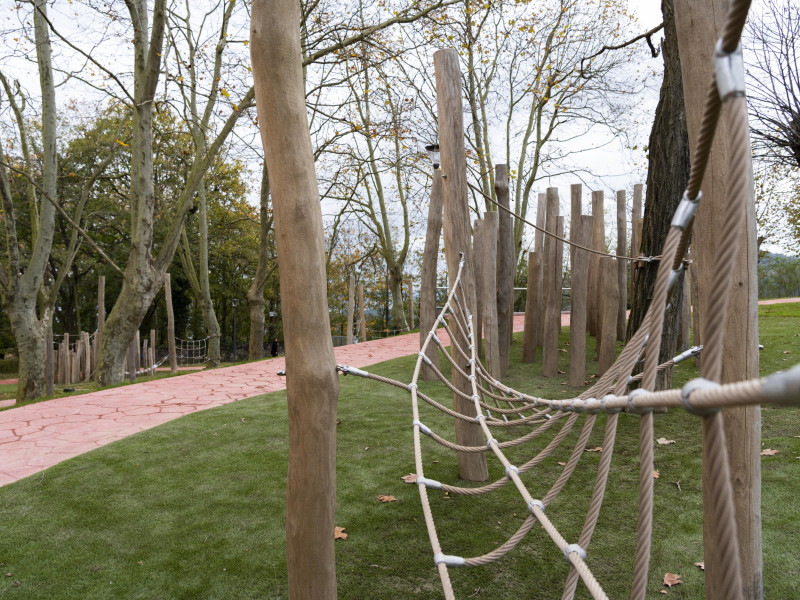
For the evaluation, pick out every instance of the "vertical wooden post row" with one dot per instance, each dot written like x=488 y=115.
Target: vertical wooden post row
x=532 y=312
x=598 y=243
x=490 y=313
x=427 y=290
x=505 y=268
x=581 y=234
x=552 y=305
x=622 y=265
x=478 y=228
x=312 y=385
x=351 y=300
x=576 y=210
x=538 y=247
x=472 y=466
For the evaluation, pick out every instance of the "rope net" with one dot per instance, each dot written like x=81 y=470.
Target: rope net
x=497 y=407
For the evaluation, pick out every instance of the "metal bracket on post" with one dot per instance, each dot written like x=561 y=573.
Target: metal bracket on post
x=729 y=72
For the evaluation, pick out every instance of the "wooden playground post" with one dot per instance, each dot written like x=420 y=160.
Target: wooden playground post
x=505 y=268
x=472 y=466
x=101 y=313
x=636 y=230
x=64 y=369
x=87 y=356
x=559 y=269
x=576 y=210
x=622 y=265
x=362 y=318
x=490 y=313
x=351 y=300
x=478 y=229
x=132 y=352
x=608 y=301
x=137 y=354
x=699 y=25
x=411 y=305
x=49 y=367
x=173 y=358
x=312 y=384
x=552 y=304
x=152 y=351
x=532 y=313
x=427 y=289
x=598 y=243
x=580 y=234
x=538 y=247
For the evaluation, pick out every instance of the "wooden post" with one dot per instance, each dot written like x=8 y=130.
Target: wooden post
x=560 y=269
x=576 y=209
x=137 y=355
x=609 y=301
x=427 y=289
x=598 y=243
x=146 y=355
x=173 y=357
x=478 y=228
x=636 y=229
x=351 y=301
x=152 y=351
x=65 y=356
x=699 y=25
x=312 y=384
x=552 y=303
x=411 y=321
x=490 y=313
x=132 y=352
x=505 y=268
x=580 y=234
x=472 y=466
x=76 y=362
x=101 y=313
x=538 y=247
x=694 y=291
x=532 y=312
x=362 y=318
x=49 y=366
x=87 y=356
x=622 y=265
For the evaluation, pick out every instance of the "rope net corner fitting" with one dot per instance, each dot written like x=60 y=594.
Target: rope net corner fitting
x=348 y=370
x=429 y=483
x=423 y=428
x=638 y=410
x=693 y=351
x=577 y=549
x=783 y=386
x=448 y=560
x=729 y=72
x=511 y=468
x=697 y=384
x=684 y=214
x=535 y=504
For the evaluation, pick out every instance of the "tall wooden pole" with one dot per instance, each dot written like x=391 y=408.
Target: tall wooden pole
x=49 y=368
x=490 y=312
x=532 y=312
x=477 y=269
x=505 y=268
x=609 y=301
x=173 y=357
x=598 y=243
x=312 y=385
x=559 y=293
x=636 y=229
x=538 y=247
x=552 y=303
x=581 y=234
x=472 y=466
x=427 y=289
x=622 y=265
x=351 y=303
x=411 y=323
x=362 y=318
x=576 y=208
x=101 y=313
x=699 y=26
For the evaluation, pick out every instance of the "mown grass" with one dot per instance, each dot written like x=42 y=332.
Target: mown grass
x=195 y=508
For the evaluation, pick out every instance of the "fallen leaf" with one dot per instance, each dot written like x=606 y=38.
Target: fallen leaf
x=665 y=592
x=656 y=474
x=598 y=449
x=410 y=478
x=339 y=534
x=383 y=498
x=701 y=564
x=242 y=419
x=141 y=563
x=664 y=441
x=562 y=372
x=786 y=352
x=671 y=579
x=563 y=464
x=769 y=452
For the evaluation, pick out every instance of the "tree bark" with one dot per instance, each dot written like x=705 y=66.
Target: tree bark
x=505 y=269
x=490 y=313
x=427 y=291
x=312 y=385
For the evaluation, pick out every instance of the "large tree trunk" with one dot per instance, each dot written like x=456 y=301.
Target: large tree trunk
x=396 y=289
x=255 y=294
x=312 y=386
x=667 y=175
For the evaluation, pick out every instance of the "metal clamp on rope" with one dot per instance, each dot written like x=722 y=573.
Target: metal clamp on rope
x=510 y=468
x=674 y=276
x=471 y=378
x=591 y=411
x=425 y=359
x=422 y=428
x=429 y=483
x=576 y=549
x=693 y=351
x=580 y=408
x=684 y=214
x=436 y=340
x=697 y=384
x=729 y=72
x=480 y=416
x=638 y=410
x=610 y=411
x=448 y=560
x=488 y=413
x=783 y=386
x=489 y=443
x=348 y=370
x=537 y=504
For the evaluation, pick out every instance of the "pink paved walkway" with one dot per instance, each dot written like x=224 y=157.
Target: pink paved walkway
x=37 y=436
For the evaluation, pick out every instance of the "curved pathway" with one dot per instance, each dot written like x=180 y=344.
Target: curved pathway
x=37 y=436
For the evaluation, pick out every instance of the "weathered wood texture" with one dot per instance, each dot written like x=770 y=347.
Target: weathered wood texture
x=477 y=269
x=351 y=308
x=472 y=466
x=505 y=268
x=173 y=356
x=698 y=27
x=622 y=265
x=312 y=385
x=552 y=303
x=593 y=320
x=559 y=269
x=49 y=368
x=532 y=309
x=362 y=315
x=427 y=290
x=609 y=301
x=411 y=322
x=490 y=312
x=576 y=209
x=685 y=319
x=581 y=234
x=538 y=246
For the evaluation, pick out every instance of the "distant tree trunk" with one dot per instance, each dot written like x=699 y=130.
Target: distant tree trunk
x=396 y=289
x=255 y=295
x=667 y=175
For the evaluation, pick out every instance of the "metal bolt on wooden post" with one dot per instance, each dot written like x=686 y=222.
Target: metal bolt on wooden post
x=505 y=268
x=351 y=300
x=581 y=235
x=427 y=290
x=609 y=302
x=552 y=302
x=478 y=228
x=490 y=313
x=173 y=356
x=472 y=466
x=532 y=311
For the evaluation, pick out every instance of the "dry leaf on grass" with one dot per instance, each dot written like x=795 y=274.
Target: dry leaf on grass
x=563 y=464
x=339 y=534
x=598 y=449
x=671 y=579
x=664 y=441
x=701 y=564
x=769 y=452
x=656 y=474
x=410 y=478
x=383 y=498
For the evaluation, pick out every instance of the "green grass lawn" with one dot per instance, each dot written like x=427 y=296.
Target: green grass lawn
x=195 y=508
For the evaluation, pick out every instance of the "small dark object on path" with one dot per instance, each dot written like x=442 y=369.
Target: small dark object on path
x=274 y=347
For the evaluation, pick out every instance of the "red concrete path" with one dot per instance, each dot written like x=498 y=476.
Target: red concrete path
x=37 y=436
